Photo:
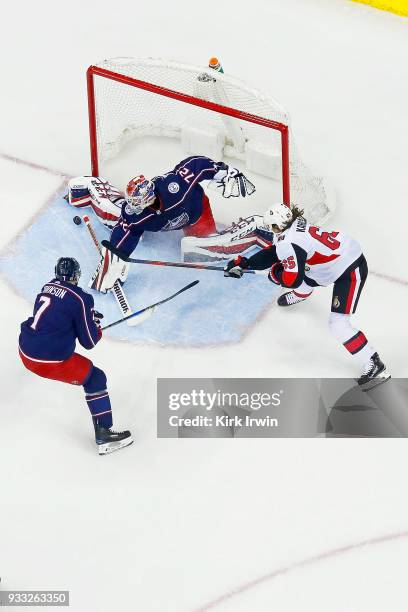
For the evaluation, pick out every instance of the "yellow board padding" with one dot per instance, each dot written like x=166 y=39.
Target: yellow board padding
x=399 y=7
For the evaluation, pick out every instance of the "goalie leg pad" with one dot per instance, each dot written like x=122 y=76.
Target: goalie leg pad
x=109 y=270
x=234 y=240
x=214 y=248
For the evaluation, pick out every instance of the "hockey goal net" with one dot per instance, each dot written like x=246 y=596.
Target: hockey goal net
x=211 y=114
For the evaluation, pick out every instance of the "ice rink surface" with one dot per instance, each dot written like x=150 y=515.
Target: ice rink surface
x=184 y=525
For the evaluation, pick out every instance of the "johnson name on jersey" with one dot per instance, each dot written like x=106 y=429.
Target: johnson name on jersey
x=63 y=313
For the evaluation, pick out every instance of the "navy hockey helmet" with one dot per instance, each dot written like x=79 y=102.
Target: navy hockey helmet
x=67 y=269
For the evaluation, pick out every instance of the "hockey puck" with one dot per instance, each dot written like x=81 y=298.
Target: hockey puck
x=77 y=220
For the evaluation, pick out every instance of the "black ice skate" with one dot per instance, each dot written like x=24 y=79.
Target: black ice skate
x=108 y=441
x=373 y=374
x=290 y=298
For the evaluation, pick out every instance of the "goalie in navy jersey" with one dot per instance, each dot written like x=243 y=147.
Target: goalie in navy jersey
x=302 y=257
x=64 y=313
x=175 y=200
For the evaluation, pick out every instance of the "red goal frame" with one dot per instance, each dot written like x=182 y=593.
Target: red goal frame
x=177 y=95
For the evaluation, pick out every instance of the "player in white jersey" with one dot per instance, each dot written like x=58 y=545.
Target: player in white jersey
x=305 y=256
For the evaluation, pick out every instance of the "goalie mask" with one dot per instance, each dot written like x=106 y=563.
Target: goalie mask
x=139 y=194
x=277 y=218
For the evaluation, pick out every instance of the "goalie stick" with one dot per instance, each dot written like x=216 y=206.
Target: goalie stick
x=117 y=288
x=174 y=264
x=139 y=312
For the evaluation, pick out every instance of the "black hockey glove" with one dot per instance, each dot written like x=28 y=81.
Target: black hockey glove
x=275 y=273
x=235 y=267
x=97 y=316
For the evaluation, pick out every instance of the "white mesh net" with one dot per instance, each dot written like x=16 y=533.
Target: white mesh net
x=124 y=112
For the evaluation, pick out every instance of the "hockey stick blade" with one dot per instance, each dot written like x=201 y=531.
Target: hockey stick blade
x=167 y=299
x=173 y=264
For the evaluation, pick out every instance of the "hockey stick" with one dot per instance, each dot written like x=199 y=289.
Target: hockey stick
x=139 y=312
x=173 y=264
x=117 y=288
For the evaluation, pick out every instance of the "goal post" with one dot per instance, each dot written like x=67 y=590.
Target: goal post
x=208 y=111
x=187 y=99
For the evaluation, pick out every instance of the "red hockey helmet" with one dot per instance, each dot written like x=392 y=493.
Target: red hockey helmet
x=139 y=193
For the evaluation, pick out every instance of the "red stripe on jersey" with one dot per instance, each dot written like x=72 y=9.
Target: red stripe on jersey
x=351 y=291
x=302 y=295
x=288 y=278
x=356 y=343
x=319 y=258
x=273 y=275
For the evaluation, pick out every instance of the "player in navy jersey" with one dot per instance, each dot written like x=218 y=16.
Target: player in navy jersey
x=64 y=313
x=175 y=200
x=304 y=256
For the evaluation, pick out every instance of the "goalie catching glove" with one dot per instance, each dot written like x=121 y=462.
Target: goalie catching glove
x=110 y=269
x=232 y=182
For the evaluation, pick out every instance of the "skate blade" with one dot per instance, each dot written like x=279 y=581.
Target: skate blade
x=375 y=382
x=111 y=447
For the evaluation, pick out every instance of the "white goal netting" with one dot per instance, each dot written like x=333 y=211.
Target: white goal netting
x=124 y=112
